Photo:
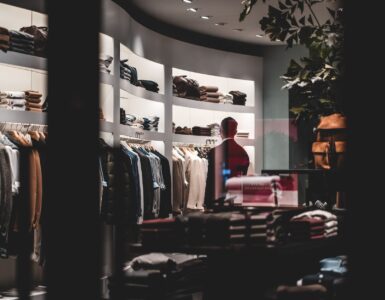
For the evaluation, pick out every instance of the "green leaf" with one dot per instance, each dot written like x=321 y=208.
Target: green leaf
x=301 y=6
x=302 y=21
x=282 y=6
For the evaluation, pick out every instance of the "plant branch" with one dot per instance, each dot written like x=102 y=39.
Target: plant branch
x=312 y=12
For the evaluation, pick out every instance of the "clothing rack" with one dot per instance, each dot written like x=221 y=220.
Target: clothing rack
x=22 y=127
x=133 y=140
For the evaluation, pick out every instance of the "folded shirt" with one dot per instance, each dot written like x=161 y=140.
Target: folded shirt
x=208 y=88
x=14 y=94
x=34 y=105
x=34 y=109
x=18 y=102
x=33 y=100
x=19 y=35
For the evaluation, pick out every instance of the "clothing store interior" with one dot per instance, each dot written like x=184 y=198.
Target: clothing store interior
x=188 y=149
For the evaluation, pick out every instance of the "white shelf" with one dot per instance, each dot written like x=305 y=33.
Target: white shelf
x=212 y=106
x=14 y=116
x=106 y=78
x=23 y=60
x=141 y=92
x=200 y=140
x=142 y=134
x=106 y=126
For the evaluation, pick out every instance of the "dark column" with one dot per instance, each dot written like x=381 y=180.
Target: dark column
x=73 y=245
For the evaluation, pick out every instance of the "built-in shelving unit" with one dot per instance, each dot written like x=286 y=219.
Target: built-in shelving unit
x=140 y=92
x=23 y=60
x=13 y=116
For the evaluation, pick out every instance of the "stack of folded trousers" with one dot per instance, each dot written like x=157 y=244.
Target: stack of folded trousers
x=186 y=87
x=239 y=98
x=21 y=42
x=33 y=99
x=210 y=94
x=313 y=225
x=4 y=39
x=13 y=100
x=201 y=131
x=128 y=72
x=104 y=63
x=215 y=129
x=4 y=102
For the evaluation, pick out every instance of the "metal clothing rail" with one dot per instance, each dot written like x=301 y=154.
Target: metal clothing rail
x=133 y=140
x=22 y=127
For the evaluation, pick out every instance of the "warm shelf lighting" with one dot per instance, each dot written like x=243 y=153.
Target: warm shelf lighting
x=220 y=24
x=192 y=9
x=259 y=35
x=187 y=1
x=206 y=17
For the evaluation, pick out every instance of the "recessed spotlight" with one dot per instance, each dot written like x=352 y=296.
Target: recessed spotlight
x=259 y=35
x=220 y=24
x=187 y=1
x=206 y=17
x=277 y=40
x=192 y=9
x=237 y=29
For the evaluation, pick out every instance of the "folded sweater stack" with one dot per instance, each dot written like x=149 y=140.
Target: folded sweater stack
x=317 y=224
x=33 y=101
x=210 y=94
x=12 y=100
x=4 y=39
x=239 y=98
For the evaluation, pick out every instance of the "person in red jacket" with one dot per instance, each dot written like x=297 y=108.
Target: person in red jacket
x=226 y=160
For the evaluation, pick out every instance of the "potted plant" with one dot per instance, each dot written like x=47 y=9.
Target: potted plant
x=314 y=82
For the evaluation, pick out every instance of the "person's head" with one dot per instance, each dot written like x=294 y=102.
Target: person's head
x=228 y=128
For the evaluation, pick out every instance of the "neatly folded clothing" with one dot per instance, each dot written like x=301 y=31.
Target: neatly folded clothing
x=34 y=105
x=14 y=94
x=34 y=109
x=18 y=102
x=20 y=108
x=213 y=95
x=33 y=94
x=33 y=100
x=308 y=292
x=207 y=88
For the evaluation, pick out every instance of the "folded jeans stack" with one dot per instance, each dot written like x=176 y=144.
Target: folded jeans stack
x=239 y=98
x=210 y=94
x=104 y=63
x=21 y=42
x=40 y=37
x=4 y=39
x=312 y=225
x=12 y=100
x=215 y=129
x=201 y=131
x=33 y=99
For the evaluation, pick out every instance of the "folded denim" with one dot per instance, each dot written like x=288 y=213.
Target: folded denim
x=21 y=35
x=20 y=50
x=17 y=44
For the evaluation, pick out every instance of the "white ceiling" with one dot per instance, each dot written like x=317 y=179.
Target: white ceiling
x=174 y=12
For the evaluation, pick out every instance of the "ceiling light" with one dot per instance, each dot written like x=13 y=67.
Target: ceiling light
x=187 y=1
x=220 y=24
x=206 y=17
x=259 y=35
x=237 y=29
x=192 y=9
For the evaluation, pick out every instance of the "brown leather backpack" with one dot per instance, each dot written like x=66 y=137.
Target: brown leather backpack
x=330 y=146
